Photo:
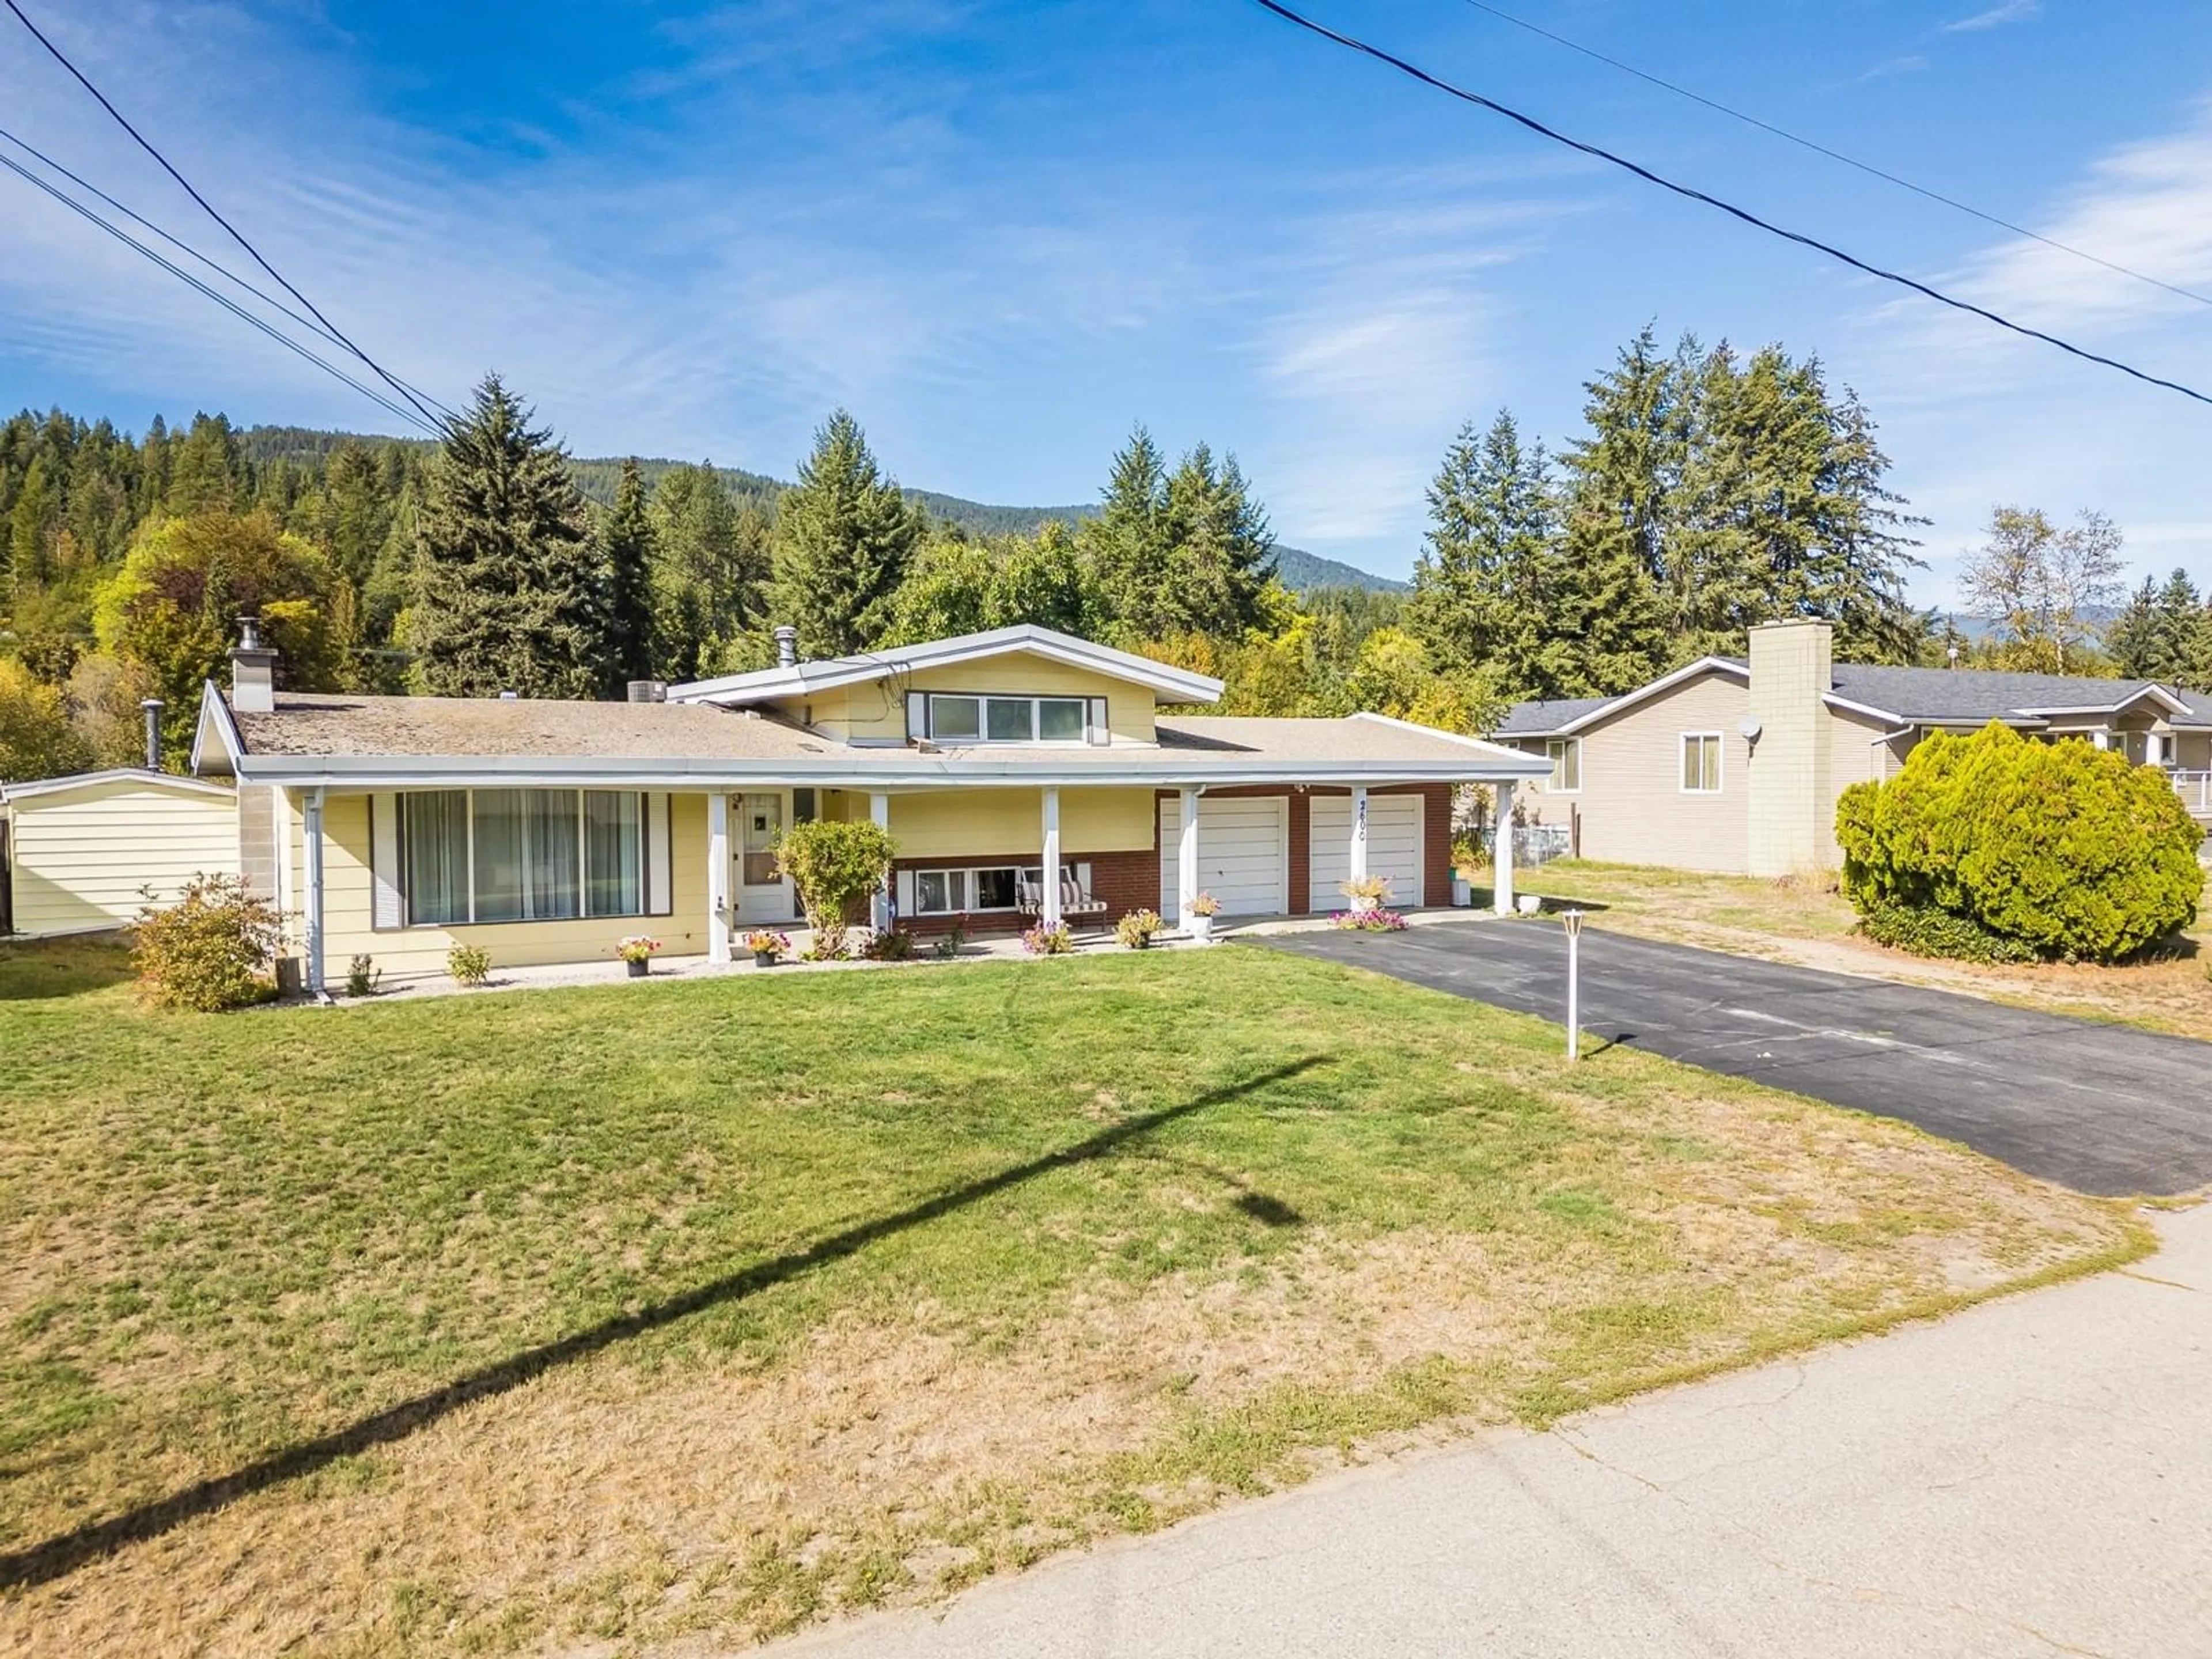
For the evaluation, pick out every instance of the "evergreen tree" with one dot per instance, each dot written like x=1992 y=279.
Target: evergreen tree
x=1127 y=542
x=207 y=469
x=625 y=550
x=511 y=596
x=1489 y=577
x=710 y=568
x=30 y=526
x=354 y=511
x=1612 y=541
x=2162 y=633
x=843 y=535
x=1181 y=552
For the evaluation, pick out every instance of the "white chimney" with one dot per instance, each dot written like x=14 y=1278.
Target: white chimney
x=252 y=671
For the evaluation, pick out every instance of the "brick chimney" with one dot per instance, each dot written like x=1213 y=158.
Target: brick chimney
x=1792 y=668
x=252 y=671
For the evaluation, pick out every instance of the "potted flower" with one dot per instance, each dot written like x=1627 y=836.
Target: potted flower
x=767 y=945
x=1136 y=929
x=1198 y=916
x=1057 y=940
x=1366 y=892
x=636 y=951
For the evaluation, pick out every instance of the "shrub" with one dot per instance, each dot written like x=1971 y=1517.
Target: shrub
x=469 y=964
x=891 y=944
x=211 y=949
x=834 y=864
x=363 y=976
x=1925 y=931
x=1136 y=929
x=949 y=941
x=2065 y=848
x=1057 y=940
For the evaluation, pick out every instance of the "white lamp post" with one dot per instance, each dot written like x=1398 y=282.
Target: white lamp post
x=1572 y=920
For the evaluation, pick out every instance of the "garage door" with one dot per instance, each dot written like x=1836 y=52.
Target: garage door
x=1243 y=853
x=1394 y=847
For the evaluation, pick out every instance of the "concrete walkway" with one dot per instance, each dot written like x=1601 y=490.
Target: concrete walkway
x=2098 y=1108
x=2032 y=1477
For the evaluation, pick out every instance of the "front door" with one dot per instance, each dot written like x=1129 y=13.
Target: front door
x=762 y=895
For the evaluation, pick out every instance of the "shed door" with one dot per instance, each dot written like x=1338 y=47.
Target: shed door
x=1243 y=853
x=1394 y=847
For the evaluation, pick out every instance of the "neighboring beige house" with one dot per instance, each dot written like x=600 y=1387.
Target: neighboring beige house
x=1023 y=774
x=1735 y=765
x=78 y=855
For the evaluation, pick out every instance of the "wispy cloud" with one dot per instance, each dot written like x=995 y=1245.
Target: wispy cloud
x=1912 y=65
x=2009 y=11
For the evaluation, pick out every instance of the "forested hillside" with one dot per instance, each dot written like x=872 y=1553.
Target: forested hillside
x=1707 y=490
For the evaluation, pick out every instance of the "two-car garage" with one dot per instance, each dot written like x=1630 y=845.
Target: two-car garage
x=1245 y=849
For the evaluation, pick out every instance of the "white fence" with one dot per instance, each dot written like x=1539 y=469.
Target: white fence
x=2196 y=791
x=1533 y=843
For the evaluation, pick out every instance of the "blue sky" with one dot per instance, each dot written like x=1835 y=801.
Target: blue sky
x=1000 y=233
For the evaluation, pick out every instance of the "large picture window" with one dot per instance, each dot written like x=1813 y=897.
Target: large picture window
x=490 y=855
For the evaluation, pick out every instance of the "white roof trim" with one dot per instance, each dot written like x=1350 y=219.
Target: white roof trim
x=2174 y=704
x=216 y=717
x=25 y=791
x=1664 y=683
x=1177 y=684
x=1836 y=700
x=1519 y=759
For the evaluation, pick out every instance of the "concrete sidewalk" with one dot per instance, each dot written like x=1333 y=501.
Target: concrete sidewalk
x=2031 y=1477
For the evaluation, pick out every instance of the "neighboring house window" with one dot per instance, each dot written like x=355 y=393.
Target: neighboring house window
x=962 y=719
x=952 y=892
x=1567 y=757
x=1701 y=762
x=522 y=855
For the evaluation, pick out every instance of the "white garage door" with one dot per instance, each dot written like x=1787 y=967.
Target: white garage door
x=1394 y=847
x=1243 y=853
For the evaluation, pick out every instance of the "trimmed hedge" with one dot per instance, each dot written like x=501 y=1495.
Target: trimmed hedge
x=2067 y=849
x=1932 y=932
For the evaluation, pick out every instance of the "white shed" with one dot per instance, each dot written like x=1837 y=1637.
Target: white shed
x=75 y=852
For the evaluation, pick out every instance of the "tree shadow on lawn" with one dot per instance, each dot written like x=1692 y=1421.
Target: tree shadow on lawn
x=58 y=1556
x=33 y=970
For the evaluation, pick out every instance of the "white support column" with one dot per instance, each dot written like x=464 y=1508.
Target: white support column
x=1051 y=871
x=1356 y=860
x=718 y=878
x=1187 y=859
x=2155 y=748
x=880 y=906
x=1501 y=883
x=2101 y=740
x=311 y=842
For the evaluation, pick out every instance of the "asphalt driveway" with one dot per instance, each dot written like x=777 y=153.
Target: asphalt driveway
x=2098 y=1108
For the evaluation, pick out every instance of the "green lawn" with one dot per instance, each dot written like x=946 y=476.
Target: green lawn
x=766 y=1297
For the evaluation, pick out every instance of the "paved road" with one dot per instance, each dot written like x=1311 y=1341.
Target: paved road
x=2032 y=1477
x=2098 y=1108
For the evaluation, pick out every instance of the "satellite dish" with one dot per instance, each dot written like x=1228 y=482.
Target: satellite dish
x=1750 y=728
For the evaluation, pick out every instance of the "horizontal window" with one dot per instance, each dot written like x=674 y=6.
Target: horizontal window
x=959 y=717
x=490 y=855
x=955 y=892
x=1701 y=762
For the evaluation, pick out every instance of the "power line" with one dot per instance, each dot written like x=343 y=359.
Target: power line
x=186 y=248
x=1693 y=194
x=276 y=276
x=223 y=299
x=1819 y=149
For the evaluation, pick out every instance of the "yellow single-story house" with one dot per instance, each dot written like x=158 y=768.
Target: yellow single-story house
x=1734 y=764
x=85 y=854
x=1022 y=774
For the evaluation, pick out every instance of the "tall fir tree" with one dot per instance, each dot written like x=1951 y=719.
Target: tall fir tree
x=710 y=570
x=1127 y=541
x=2163 y=632
x=627 y=552
x=511 y=596
x=843 y=535
x=1612 y=541
x=1221 y=551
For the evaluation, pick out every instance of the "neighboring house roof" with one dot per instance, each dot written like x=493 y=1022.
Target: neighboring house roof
x=365 y=742
x=1910 y=697
x=31 y=789
x=1168 y=684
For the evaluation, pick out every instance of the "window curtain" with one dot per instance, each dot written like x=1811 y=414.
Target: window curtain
x=435 y=829
x=553 y=888
x=614 y=854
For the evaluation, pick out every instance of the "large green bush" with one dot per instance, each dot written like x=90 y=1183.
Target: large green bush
x=834 y=864
x=2068 y=849
x=209 y=951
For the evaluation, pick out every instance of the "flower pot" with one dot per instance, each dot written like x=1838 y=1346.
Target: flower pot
x=639 y=969
x=763 y=958
x=1201 y=928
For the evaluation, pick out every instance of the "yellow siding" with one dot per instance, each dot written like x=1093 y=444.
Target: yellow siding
x=1633 y=805
x=80 y=857
x=876 y=710
x=975 y=823
x=349 y=912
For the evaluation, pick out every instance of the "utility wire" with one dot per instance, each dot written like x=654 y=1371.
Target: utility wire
x=1695 y=194
x=186 y=248
x=1819 y=149
x=62 y=58
x=221 y=299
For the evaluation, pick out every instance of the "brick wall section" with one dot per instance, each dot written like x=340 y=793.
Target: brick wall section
x=1301 y=870
x=1436 y=842
x=1127 y=881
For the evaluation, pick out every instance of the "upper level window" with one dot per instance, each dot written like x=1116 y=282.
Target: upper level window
x=1566 y=758
x=1701 y=762
x=957 y=718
